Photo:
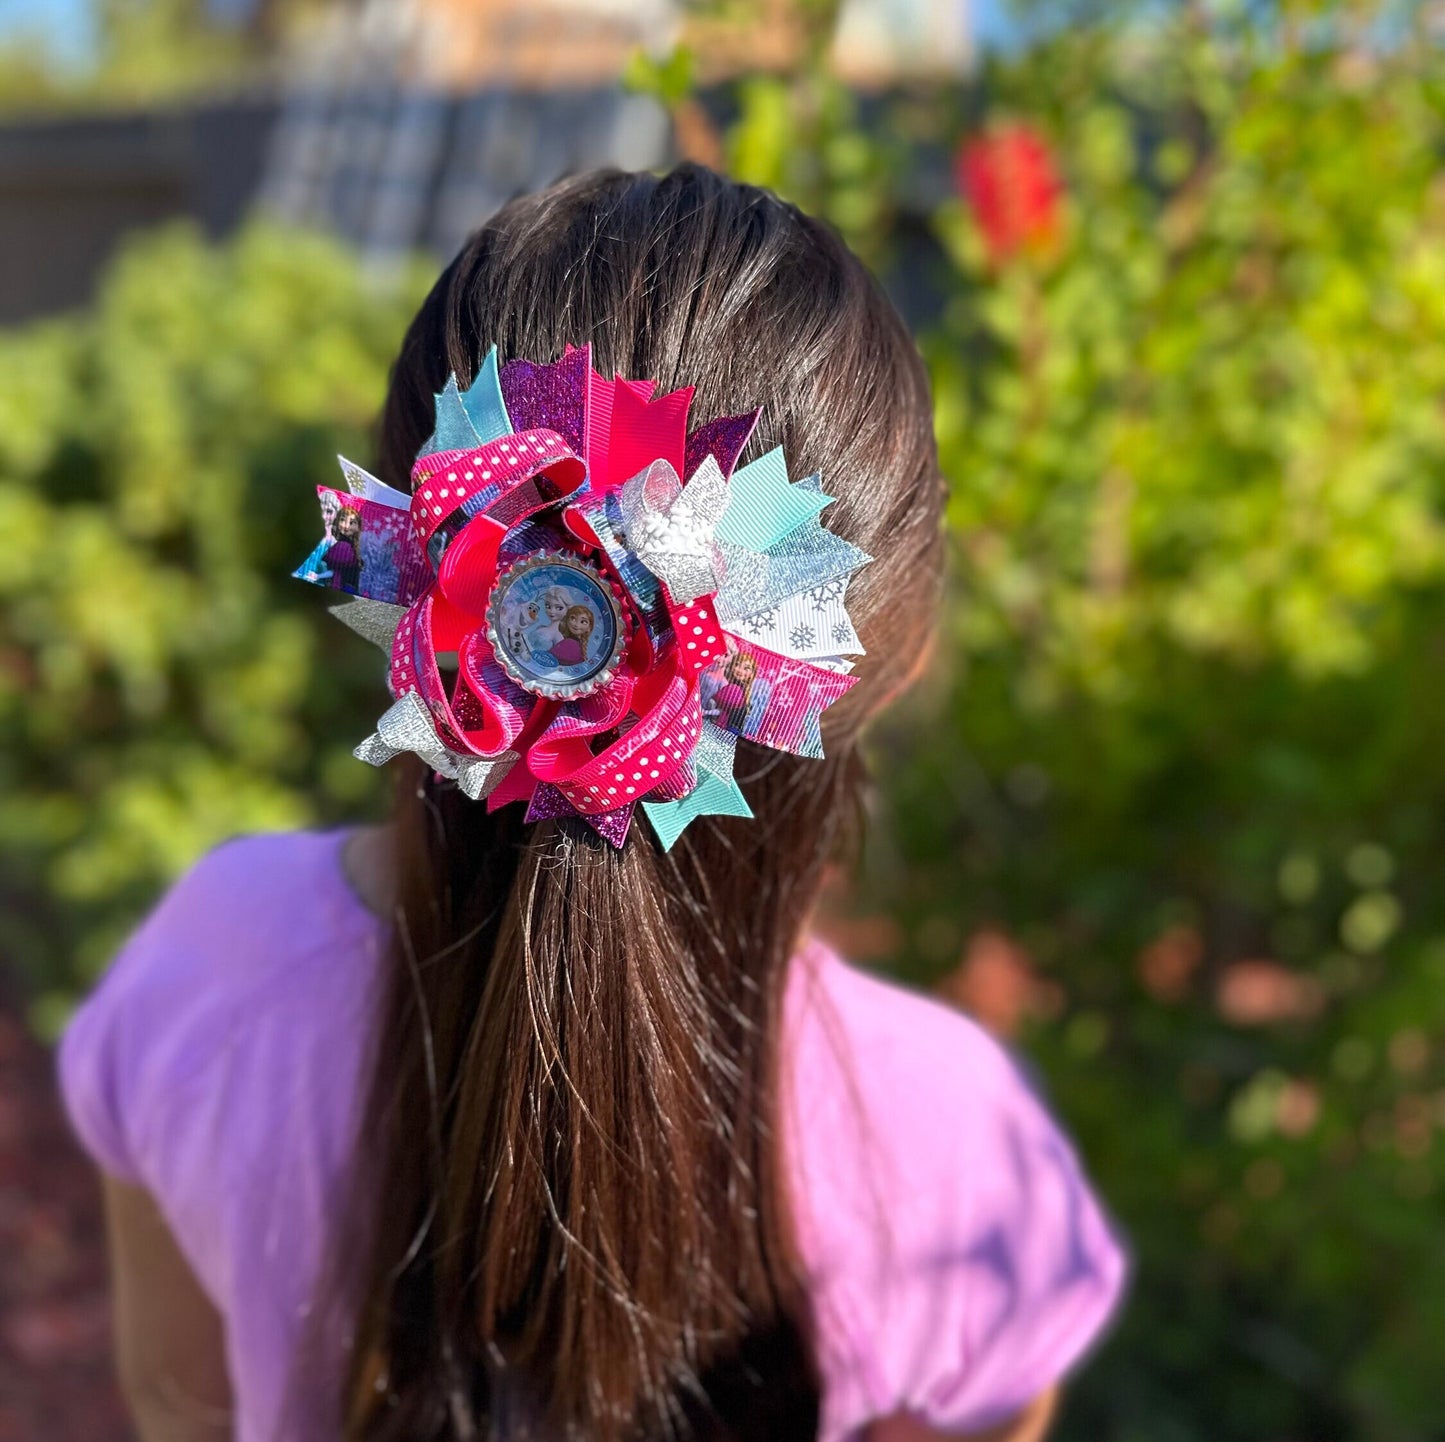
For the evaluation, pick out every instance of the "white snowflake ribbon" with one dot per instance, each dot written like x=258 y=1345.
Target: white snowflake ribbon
x=811 y=624
x=670 y=527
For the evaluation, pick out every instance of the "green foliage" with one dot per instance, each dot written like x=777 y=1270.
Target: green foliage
x=1189 y=699
x=806 y=138
x=28 y=78
x=153 y=48
x=667 y=78
x=162 y=681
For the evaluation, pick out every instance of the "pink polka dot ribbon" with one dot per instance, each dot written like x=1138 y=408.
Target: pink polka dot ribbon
x=638 y=762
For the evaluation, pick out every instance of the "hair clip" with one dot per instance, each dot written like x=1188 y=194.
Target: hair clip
x=621 y=601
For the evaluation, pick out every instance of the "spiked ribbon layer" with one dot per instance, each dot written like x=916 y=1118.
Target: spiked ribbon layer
x=585 y=604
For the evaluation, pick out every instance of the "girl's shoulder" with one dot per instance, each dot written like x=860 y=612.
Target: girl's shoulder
x=245 y=991
x=238 y=926
x=957 y=1259
x=845 y=1021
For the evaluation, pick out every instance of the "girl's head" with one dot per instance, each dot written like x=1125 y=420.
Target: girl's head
x=742 y=667
x=577 y=622
x=346 y=524
x=577 y=1197
x=555 y=600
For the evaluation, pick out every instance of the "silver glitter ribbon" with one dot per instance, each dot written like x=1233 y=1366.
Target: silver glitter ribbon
x=374 y=621
x=715 y=751
x=669 y=526
x=408 y=726
x=479 y=776
x=809 y=556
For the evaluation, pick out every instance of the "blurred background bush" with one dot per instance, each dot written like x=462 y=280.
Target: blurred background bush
x=1167 y=809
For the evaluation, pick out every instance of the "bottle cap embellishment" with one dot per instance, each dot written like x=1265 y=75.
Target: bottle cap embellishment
x=555 y=626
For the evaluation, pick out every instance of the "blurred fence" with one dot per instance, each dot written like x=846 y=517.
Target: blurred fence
x=70 y=188
x=388 y=169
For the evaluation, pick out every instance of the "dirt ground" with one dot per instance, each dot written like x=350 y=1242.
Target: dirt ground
x=55 y=1369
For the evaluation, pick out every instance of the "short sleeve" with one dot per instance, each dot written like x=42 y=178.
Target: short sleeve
x=218 y=1064
x=92 y=1084
x=104 y=1049
x=1037 y=1268
x=960 y=1264
x=110 y=1045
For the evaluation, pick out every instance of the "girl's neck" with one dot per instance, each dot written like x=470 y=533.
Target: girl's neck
x=367 y=864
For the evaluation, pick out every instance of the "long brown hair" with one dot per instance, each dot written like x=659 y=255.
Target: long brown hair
x=569 y=1166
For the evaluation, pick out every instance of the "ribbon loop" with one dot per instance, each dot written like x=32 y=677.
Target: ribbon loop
x=670 y=527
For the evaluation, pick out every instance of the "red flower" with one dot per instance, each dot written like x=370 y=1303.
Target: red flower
x=996 y=983
x=1009 y=178
x=1261 y=992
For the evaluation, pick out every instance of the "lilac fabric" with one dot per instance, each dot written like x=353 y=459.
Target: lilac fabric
x=957 y=1261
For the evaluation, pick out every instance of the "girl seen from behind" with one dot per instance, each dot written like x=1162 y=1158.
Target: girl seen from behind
x=476 y=1126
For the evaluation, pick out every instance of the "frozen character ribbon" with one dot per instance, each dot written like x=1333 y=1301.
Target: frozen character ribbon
x=585 y=604
x=365 y=550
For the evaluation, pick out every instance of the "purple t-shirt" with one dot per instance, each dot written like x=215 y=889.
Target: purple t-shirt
x=956 y=1259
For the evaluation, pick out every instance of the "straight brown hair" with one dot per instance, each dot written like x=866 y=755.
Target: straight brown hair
x=570 y=1181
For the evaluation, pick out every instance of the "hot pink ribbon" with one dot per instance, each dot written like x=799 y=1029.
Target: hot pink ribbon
x=653 y=701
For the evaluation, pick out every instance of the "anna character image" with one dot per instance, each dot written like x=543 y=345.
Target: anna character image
x=734 y=695
x=576 y=627
x=343 y=556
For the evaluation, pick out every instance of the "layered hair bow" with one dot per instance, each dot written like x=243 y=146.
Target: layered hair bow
x=585 y=603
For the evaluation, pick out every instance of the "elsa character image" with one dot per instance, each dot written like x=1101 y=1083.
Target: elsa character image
x=314 y=567
x=733 y=694
x=545 y=634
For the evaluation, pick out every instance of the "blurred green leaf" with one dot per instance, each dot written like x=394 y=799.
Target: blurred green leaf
x=1197 y=505
x=163 y=682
